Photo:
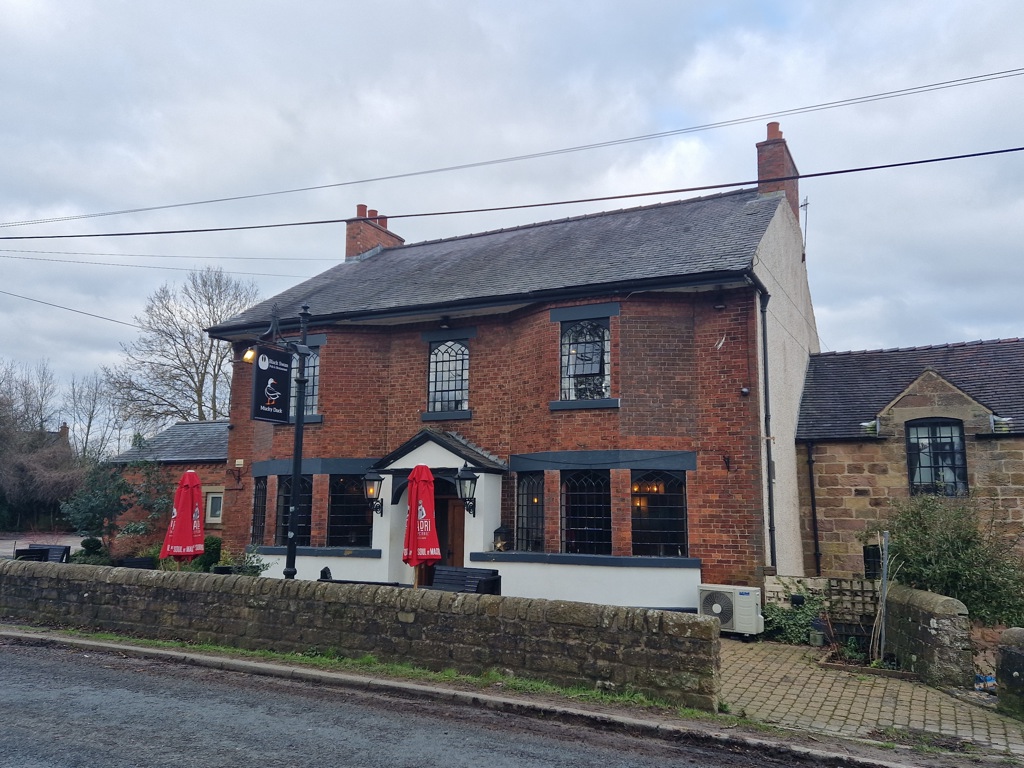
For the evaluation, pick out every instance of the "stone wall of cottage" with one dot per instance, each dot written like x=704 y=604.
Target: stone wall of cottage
x=855 y=482
x=930 y=635
x=678 y=366
x=666 y=655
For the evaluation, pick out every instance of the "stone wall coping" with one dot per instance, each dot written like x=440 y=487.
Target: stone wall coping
x=927 y=601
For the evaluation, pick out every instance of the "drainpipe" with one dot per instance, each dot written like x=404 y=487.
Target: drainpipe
x=764 y=296
x=814 y=507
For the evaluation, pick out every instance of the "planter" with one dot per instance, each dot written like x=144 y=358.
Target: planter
x=222 y=569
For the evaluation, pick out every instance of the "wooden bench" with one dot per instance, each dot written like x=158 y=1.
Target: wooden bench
x=36 y=555
x=451 y=578
x=55 y=553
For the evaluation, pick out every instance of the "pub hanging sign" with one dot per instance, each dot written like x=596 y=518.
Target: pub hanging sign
x=271 y=385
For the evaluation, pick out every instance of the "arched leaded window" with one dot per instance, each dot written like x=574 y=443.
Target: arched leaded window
x=586 y=360
x=259 y=511
x=529 y=512
x=303 y=516
x=659 y=514
x=936 y=457
x=586 y=512
x=349 y=519
x=312 y=371
x=448 y=385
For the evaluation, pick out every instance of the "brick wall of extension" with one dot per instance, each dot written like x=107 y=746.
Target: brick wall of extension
x=677 y=365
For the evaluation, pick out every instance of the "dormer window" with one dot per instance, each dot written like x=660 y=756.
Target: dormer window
x=936 y=457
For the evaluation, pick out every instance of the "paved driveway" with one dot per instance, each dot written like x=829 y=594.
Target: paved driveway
x=10 y=541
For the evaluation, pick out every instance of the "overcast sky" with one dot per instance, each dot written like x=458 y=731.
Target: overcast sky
x=110 y=106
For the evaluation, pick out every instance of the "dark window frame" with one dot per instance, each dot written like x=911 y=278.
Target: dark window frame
x=659 y=524
x=936 y=457
x=585 y=360
x=259 y=511
x=349 y=518
x=529 y=534
x=448 y=360
x=304 y=516
x=586 y=512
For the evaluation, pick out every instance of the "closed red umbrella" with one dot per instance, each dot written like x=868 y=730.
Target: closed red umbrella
x=184 y=538
x=421 y=547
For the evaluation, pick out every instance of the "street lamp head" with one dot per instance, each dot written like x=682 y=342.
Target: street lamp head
x=465 y=484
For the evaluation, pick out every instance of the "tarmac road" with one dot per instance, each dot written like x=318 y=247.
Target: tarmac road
x=66 y=708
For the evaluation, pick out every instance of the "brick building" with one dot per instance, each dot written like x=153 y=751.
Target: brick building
x=620 y=382
x=880 y=425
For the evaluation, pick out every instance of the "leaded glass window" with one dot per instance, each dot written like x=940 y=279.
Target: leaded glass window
x=312 y=371
x=349 y=519
x=303 y=513
x=936 y=457
x=586 y=360
x=448 y=384
x=659 y=514
x=586 y=512
x=259 y=511
x=530 y=512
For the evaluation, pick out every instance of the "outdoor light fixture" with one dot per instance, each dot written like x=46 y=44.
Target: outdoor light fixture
x=465 y=484
x=249 y=355
x=502 y=538
x=372 y=482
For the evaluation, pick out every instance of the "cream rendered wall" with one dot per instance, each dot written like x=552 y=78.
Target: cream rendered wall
x=792 y=336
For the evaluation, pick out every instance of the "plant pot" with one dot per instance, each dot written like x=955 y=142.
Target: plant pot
x=222 y=569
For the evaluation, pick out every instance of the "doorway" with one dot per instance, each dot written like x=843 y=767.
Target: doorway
x=450 y=515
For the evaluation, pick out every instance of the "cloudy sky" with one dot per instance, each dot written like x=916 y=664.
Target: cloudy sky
x=110 y=106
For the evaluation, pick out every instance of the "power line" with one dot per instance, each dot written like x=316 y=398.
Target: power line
x=69 y=309
x=885 y=95
x=143 y=266
x=604 y=198
x=171 y=256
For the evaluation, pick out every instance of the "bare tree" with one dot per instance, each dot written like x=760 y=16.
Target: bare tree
x=174 y=371
x=90 y=411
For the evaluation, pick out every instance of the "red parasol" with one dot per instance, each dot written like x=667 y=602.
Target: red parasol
x=184 y=539
x=421 y=547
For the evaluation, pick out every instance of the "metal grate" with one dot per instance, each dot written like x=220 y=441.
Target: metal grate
x=659 y=514
x=448 y=385
x=303 y=518
x=530 y=512
x=936 y=459
x=586 y=360
x=586 y=512
x=349 y=519
x=259 y=511
x=312 y=372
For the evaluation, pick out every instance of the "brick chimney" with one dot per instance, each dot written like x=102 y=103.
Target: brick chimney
x=368 y=230
x=774 y=162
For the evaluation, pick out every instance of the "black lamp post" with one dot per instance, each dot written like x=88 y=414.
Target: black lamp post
x=372 y=482
x=300 y=350
x=465 y=484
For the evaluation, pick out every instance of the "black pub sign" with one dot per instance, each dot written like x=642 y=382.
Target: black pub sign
x=271 y=385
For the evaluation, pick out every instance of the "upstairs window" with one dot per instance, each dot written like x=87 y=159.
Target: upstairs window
x=448 y=384
x=586 y=360
x=312 y=371
x=936 y=457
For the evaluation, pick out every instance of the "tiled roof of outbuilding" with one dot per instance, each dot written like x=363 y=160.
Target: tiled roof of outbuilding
x=658 y=245
x=184 y=442
x=844 y=389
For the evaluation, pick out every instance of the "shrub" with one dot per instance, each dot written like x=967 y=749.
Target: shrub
x=955 y=546
x=792 y=625
x=211 y=553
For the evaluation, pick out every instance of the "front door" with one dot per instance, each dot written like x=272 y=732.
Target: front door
x=451 y=530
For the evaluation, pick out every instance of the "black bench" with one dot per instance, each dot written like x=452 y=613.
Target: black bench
x=37 y=555
x=55 y=553
x=147 y=563
x=451 y=578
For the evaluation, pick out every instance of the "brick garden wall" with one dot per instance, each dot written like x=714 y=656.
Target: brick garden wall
x=671 y=656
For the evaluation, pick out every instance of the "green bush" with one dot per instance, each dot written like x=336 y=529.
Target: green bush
x=792 y=625
x=956 y=546
x=211 y=553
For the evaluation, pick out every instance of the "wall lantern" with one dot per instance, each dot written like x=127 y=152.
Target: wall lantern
x=465 y=483
x=502 y=538
x=372 y=482
x=249 y=356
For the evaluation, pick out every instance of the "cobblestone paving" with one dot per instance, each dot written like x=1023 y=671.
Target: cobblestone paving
x=783 y=685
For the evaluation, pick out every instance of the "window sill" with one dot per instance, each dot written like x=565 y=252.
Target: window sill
x=560 y=558
x=446 y=416
x=580 y=405
x=310 y=418
x=322 y=551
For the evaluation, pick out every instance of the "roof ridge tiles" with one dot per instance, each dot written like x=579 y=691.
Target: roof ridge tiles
x=923 y=348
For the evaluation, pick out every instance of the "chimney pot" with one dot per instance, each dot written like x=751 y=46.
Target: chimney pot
x=361 y=210
x=383 y=221
x=372 y=213
x=774 y=132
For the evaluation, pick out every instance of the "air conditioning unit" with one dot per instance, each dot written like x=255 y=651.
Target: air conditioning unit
x=737 y=608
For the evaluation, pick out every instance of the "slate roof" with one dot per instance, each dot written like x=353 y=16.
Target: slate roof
x=844 y=389
x=184 y=442
x=662 y=245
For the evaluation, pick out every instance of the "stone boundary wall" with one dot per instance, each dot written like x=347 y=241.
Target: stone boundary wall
x=667 y=655
x=930 y=635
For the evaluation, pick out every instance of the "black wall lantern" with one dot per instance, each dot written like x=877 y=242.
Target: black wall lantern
x=465 y=483
x=372 y=482
x=502 y=538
